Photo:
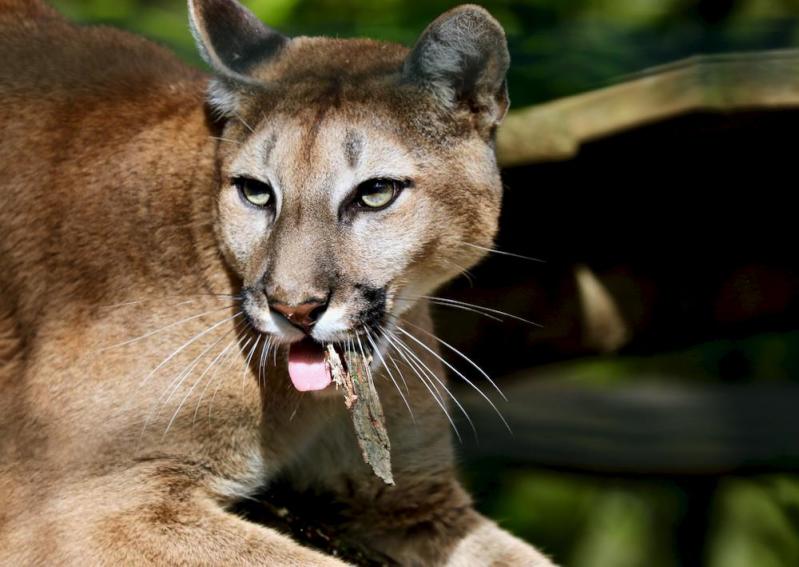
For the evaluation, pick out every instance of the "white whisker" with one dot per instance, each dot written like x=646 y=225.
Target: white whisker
x=261 y=367
x=442 y=300
x=440 y=382
x=458 y=372
x=220 y=381
x=225 y=140
x=218 y=360
x=463 y=271
x=503 y=253
x=376 y=349
x=394 y=363
x=193 y=386
x=461 y=307
x=429 y=386
x=185 y=345
x=155 y=332
x=240 y=119
x=459 y=353
x=366 y=362
x=194 y=297
x=248 y=360
x=178 y=380
x=175 y=383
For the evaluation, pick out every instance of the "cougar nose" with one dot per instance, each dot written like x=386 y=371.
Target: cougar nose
x=303 y=316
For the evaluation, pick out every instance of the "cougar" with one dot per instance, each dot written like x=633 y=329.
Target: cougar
x=178 y=249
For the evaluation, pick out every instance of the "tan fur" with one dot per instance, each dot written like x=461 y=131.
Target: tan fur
x=118 y=220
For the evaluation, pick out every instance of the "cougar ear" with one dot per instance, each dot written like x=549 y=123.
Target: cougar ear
x=230 y=38
x=462 y=57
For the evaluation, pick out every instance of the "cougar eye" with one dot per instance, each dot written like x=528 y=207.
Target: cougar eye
x=377 y=194
x=255 y=192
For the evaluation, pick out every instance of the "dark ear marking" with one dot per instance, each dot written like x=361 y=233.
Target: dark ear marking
x=462 y=58
x=230 y=38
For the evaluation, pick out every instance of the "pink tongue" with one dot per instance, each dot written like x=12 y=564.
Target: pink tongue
x=307 y=367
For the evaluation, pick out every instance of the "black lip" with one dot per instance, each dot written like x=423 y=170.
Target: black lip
x=375 y=313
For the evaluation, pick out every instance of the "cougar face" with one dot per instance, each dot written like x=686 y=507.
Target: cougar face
x=355 y=176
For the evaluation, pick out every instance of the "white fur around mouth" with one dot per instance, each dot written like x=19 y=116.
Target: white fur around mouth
x=332 y=326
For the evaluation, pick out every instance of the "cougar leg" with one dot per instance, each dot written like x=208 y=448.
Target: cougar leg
x=161 y=513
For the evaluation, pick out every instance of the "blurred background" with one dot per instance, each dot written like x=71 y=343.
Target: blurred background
x=649 y=165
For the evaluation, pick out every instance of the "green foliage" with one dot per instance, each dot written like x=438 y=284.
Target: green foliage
x=758 y=522
x=558 y=47
x=769 y=357
x=584 y=521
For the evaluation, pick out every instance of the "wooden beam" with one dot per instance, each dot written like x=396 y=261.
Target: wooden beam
x=555 y=130
x=666 y=428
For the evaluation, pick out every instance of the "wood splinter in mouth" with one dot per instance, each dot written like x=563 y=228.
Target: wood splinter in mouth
x=360 y=397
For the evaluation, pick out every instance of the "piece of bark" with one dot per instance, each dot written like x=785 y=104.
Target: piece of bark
x=360 y=397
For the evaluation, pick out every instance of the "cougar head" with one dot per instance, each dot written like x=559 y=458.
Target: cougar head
x=355 y=176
